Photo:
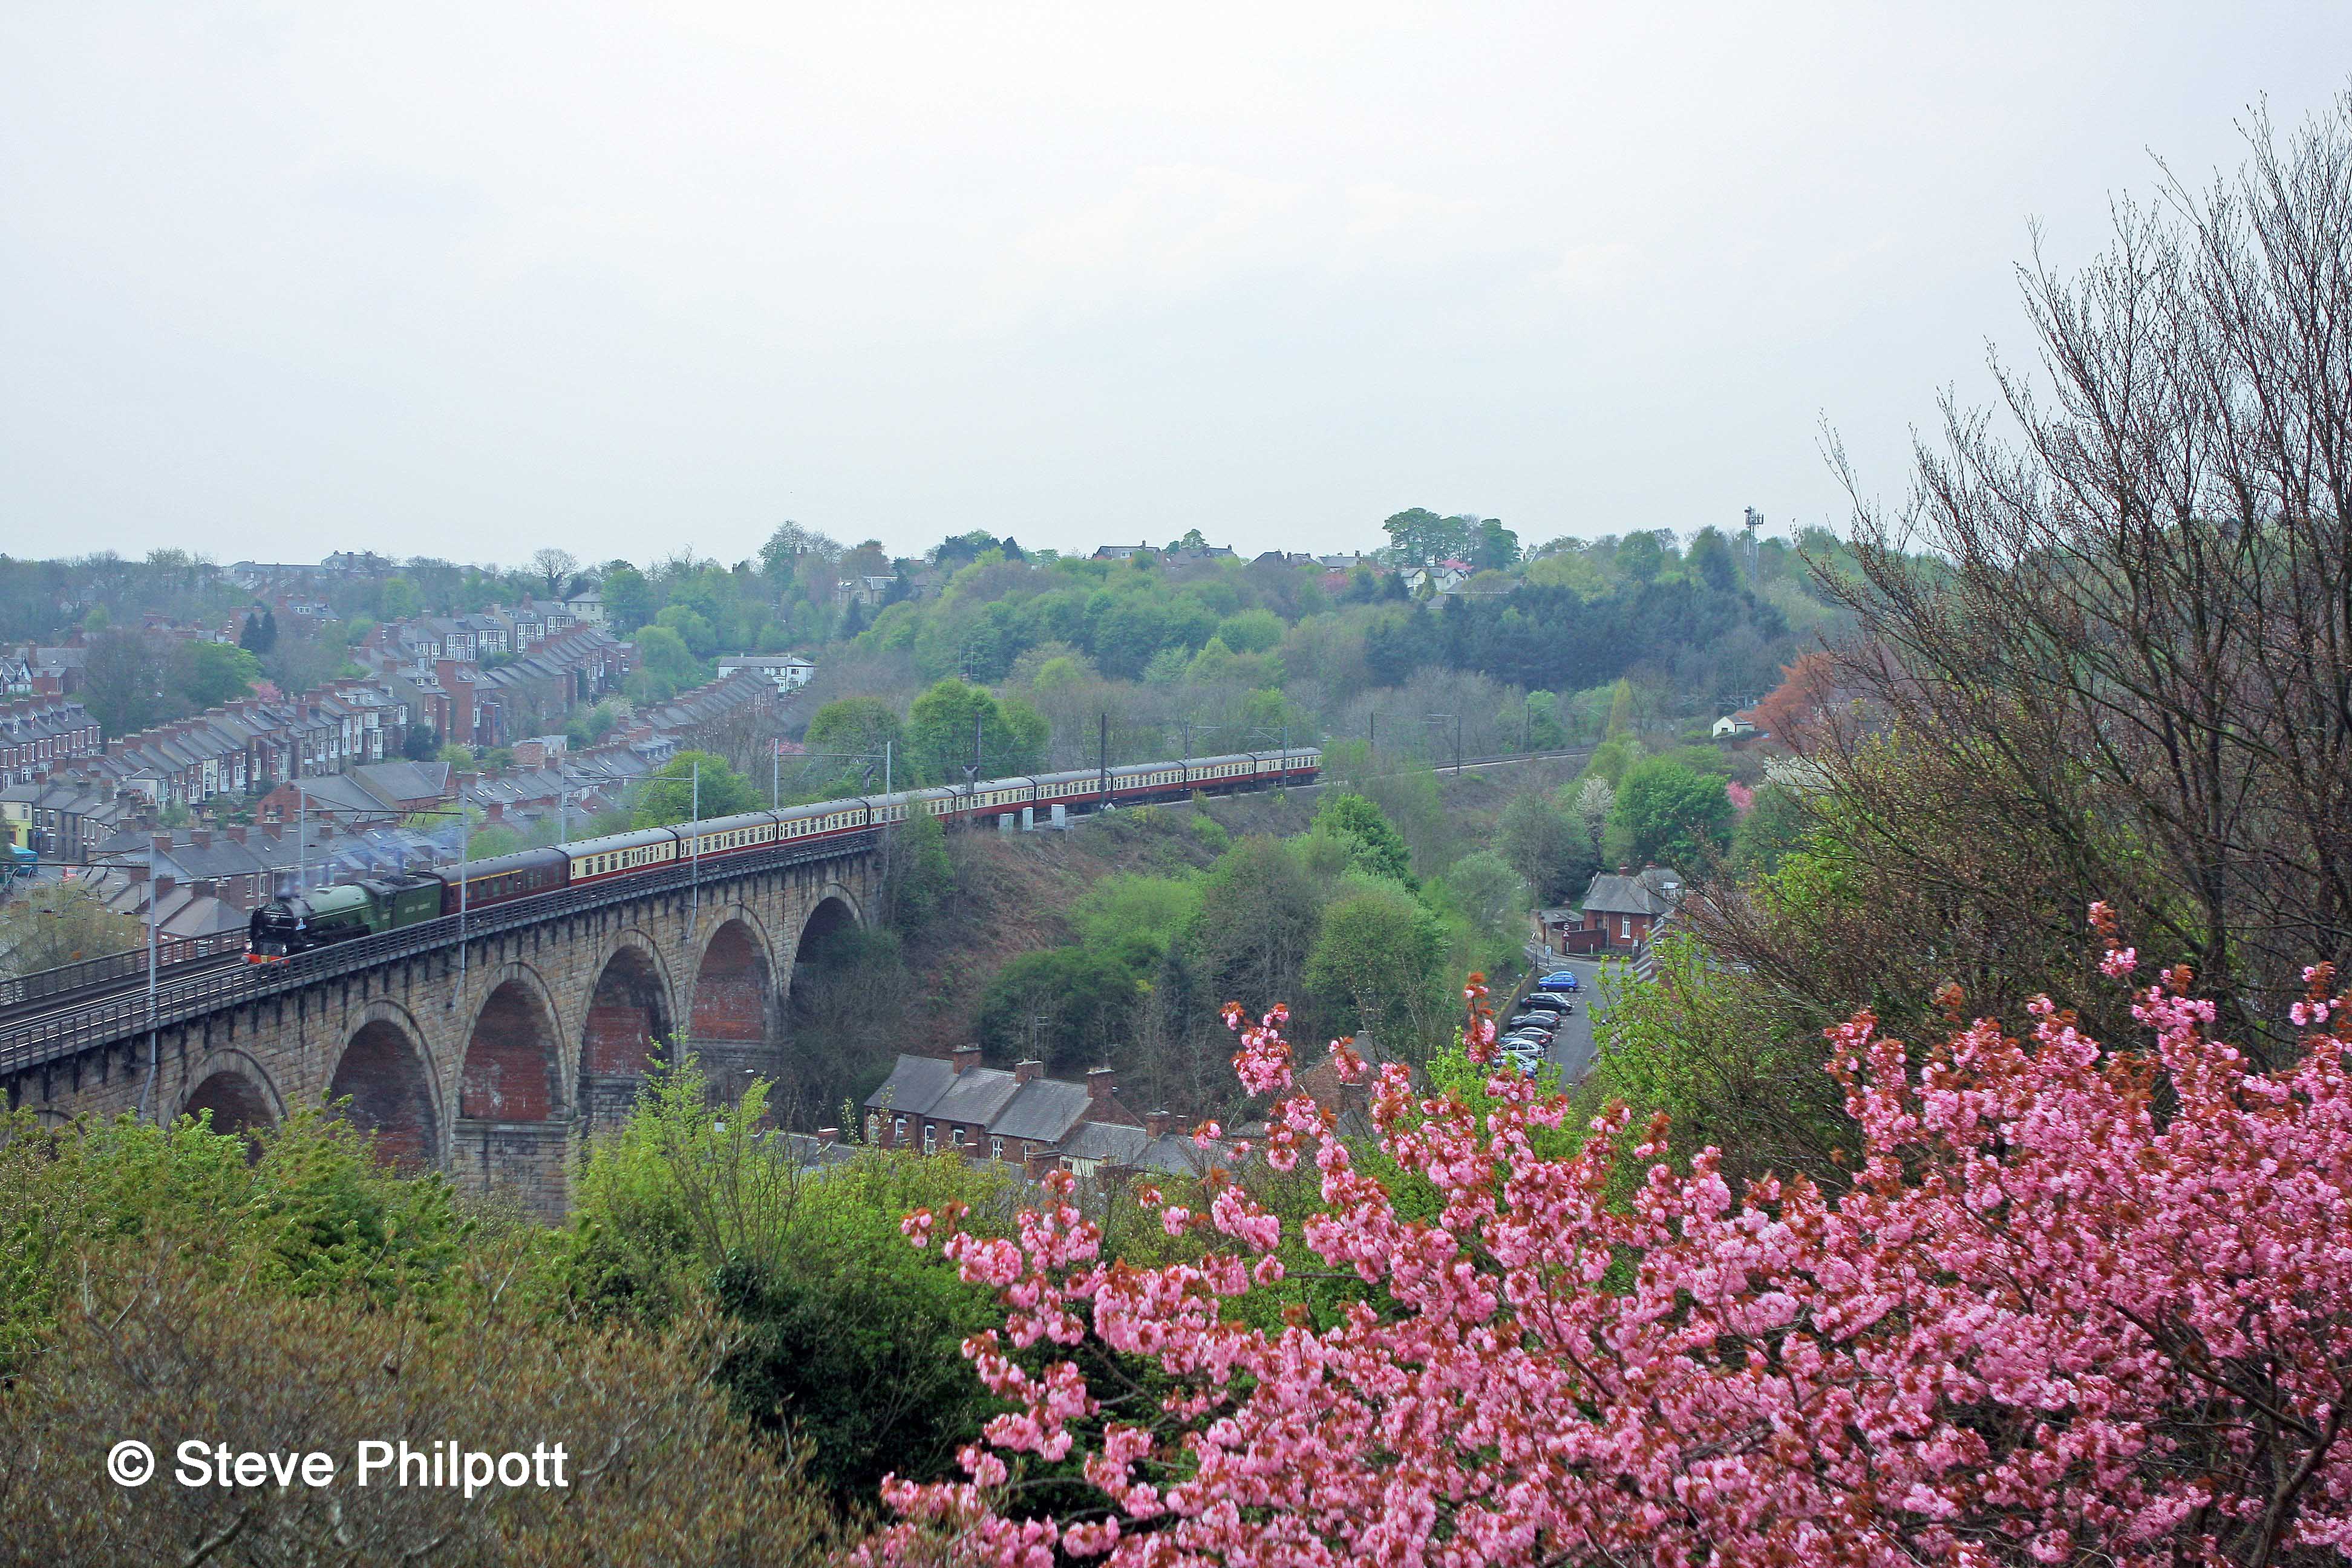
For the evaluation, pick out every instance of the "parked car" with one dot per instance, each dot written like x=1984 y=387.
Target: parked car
x=1547 y=1022
x=1559 y=1002
x=1536 y=1039
x=1562 y=981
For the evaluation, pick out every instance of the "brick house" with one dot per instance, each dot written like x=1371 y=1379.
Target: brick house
x=1625 y=906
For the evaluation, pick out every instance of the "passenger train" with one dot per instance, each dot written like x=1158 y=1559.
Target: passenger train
x=283 y=927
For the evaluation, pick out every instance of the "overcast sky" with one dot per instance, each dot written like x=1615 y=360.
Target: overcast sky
x=464 y=279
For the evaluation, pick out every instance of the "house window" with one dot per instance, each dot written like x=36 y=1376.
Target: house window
x=897 y=1130
x=873 y=1128
x=1625 y=927
x=996 y=1148
x=931 y=1137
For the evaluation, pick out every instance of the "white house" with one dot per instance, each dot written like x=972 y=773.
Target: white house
x=788 y=670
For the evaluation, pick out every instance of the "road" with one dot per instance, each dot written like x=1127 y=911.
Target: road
x=1571 y=1048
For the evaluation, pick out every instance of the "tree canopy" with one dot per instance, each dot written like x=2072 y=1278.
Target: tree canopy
x=671 y=796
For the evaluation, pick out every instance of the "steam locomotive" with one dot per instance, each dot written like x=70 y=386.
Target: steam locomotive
x=284 y=927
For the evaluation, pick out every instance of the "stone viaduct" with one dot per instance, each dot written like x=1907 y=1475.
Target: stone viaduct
x=495 y=1070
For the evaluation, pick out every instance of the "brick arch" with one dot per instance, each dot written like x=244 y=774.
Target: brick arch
x=630 y=1020
x=517 y=1063
x=734 y=978
x=385 y=1072
x=633 y=997
x=238 y=1092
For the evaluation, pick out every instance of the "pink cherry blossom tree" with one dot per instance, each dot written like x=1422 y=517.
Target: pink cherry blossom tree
x=2081 y=1305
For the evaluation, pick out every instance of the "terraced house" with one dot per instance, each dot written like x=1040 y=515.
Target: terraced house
x=1020 y=1118
x=36 y=732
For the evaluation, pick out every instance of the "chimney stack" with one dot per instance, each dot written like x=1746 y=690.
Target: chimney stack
x=237 y=833
x=965 y=1056
x=164 y=886
x=1101 y=1084
x=202 y=838
x=1027 y=1071
x=1155 y=1124
x=159 y=843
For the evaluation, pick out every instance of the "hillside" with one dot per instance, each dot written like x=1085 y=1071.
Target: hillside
x=857 y=1006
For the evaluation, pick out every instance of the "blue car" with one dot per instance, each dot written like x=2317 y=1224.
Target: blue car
x=1564 y=981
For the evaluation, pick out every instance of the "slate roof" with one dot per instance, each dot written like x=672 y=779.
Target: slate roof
x=976 y=1096
x=914 y=1086
x=1175 y=1154
x=1044 y=1111
x=1653 y=890
x=395 y=782
x=1106 y=1140
x=337 y=792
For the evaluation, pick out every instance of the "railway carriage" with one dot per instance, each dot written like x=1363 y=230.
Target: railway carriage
x=1074 y=788
x=621 y=854
x=938 y=801
x=503 y=877
x=990 y=797
x=730 y=834
x=1218 y=775
x=1139 y=781
x=796 y=823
